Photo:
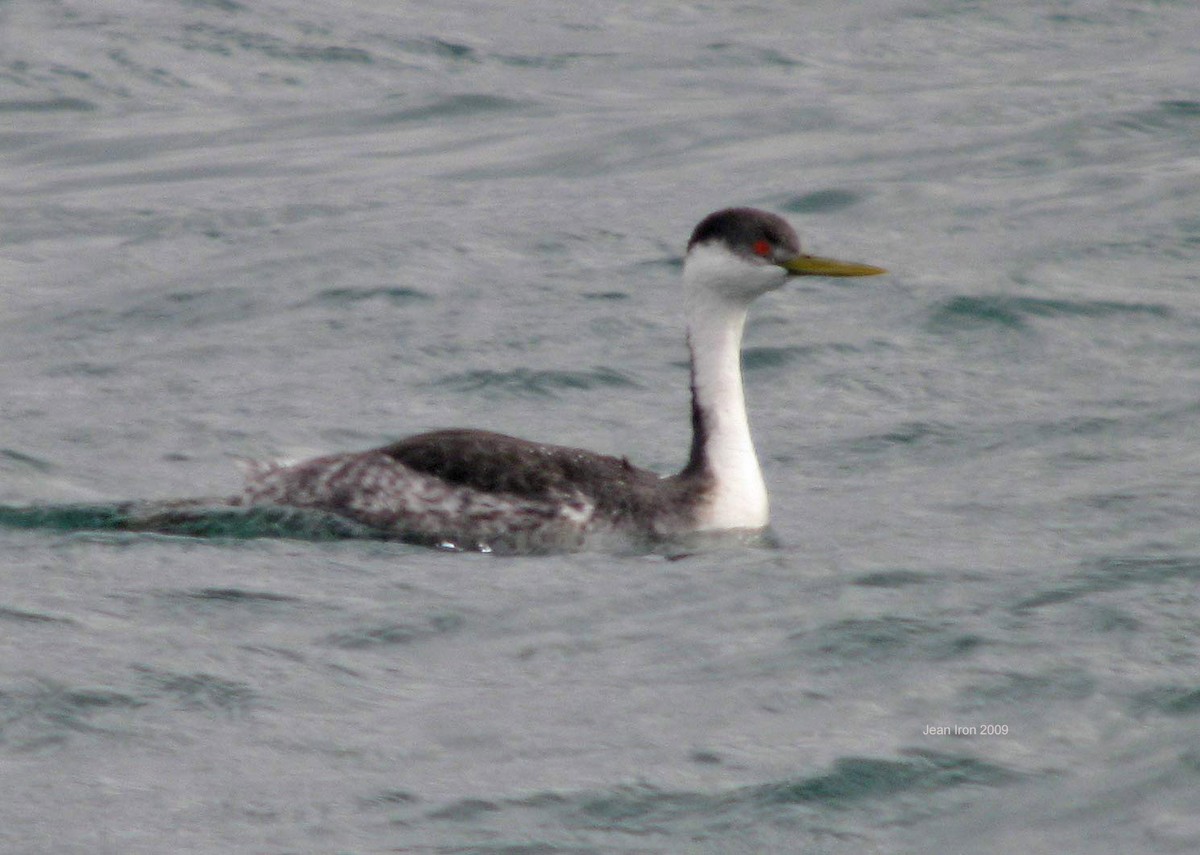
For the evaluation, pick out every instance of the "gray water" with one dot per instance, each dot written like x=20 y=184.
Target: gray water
x=233 y=229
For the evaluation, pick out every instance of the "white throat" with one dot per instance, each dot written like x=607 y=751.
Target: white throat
x=719 y=290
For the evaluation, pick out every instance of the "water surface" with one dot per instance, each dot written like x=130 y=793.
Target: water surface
x=235 y=229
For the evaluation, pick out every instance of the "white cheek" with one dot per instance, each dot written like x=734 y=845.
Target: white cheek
x=718 y=270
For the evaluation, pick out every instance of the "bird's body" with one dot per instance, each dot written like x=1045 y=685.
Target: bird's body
x=474 y=489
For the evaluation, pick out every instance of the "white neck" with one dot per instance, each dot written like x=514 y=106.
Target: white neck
x=738 y=498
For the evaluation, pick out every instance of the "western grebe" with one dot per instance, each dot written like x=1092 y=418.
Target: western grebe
x=473 y=489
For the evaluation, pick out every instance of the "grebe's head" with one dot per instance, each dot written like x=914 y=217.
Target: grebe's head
x=740 y=253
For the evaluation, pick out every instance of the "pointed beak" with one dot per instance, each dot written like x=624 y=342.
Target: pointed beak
x=814 y=265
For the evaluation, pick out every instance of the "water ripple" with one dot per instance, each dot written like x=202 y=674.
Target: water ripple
x=1013 y=312
x=47 y=712
x=197 y=691
x=395 y=632
x=192 y=520
x=1111 y=574
x=852 y=782
x=534 y=383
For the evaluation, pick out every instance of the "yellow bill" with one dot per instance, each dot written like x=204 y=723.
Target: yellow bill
x=814 y=265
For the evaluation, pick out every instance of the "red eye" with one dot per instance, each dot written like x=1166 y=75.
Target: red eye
x=761 y=247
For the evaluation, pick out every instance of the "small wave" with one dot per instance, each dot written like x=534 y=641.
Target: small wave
x=761 y=357
x=1112 y=574
x=553 y=60
x=48 y=105
x=857 y=778
x=907 y=435
x=906 y=442
x=465 y=810
x=852 y=782
x=1165 y=115
x=38 y=713
x=210 y=602
x=822 y=201
x=893 y=579
x=24 y=460
x=886 y=638
x=1168 y=700
x=196 y=691
x=347 y=296
x=239 y=595
x=526 y=382
x=23 y=616
x=440 y=48
x=1012 y=312
x=46 y=712
x=736 y=54
x=224 y=40
x=450 y=107
x=188 y=519
x=395 y=632
x=1061 y=684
